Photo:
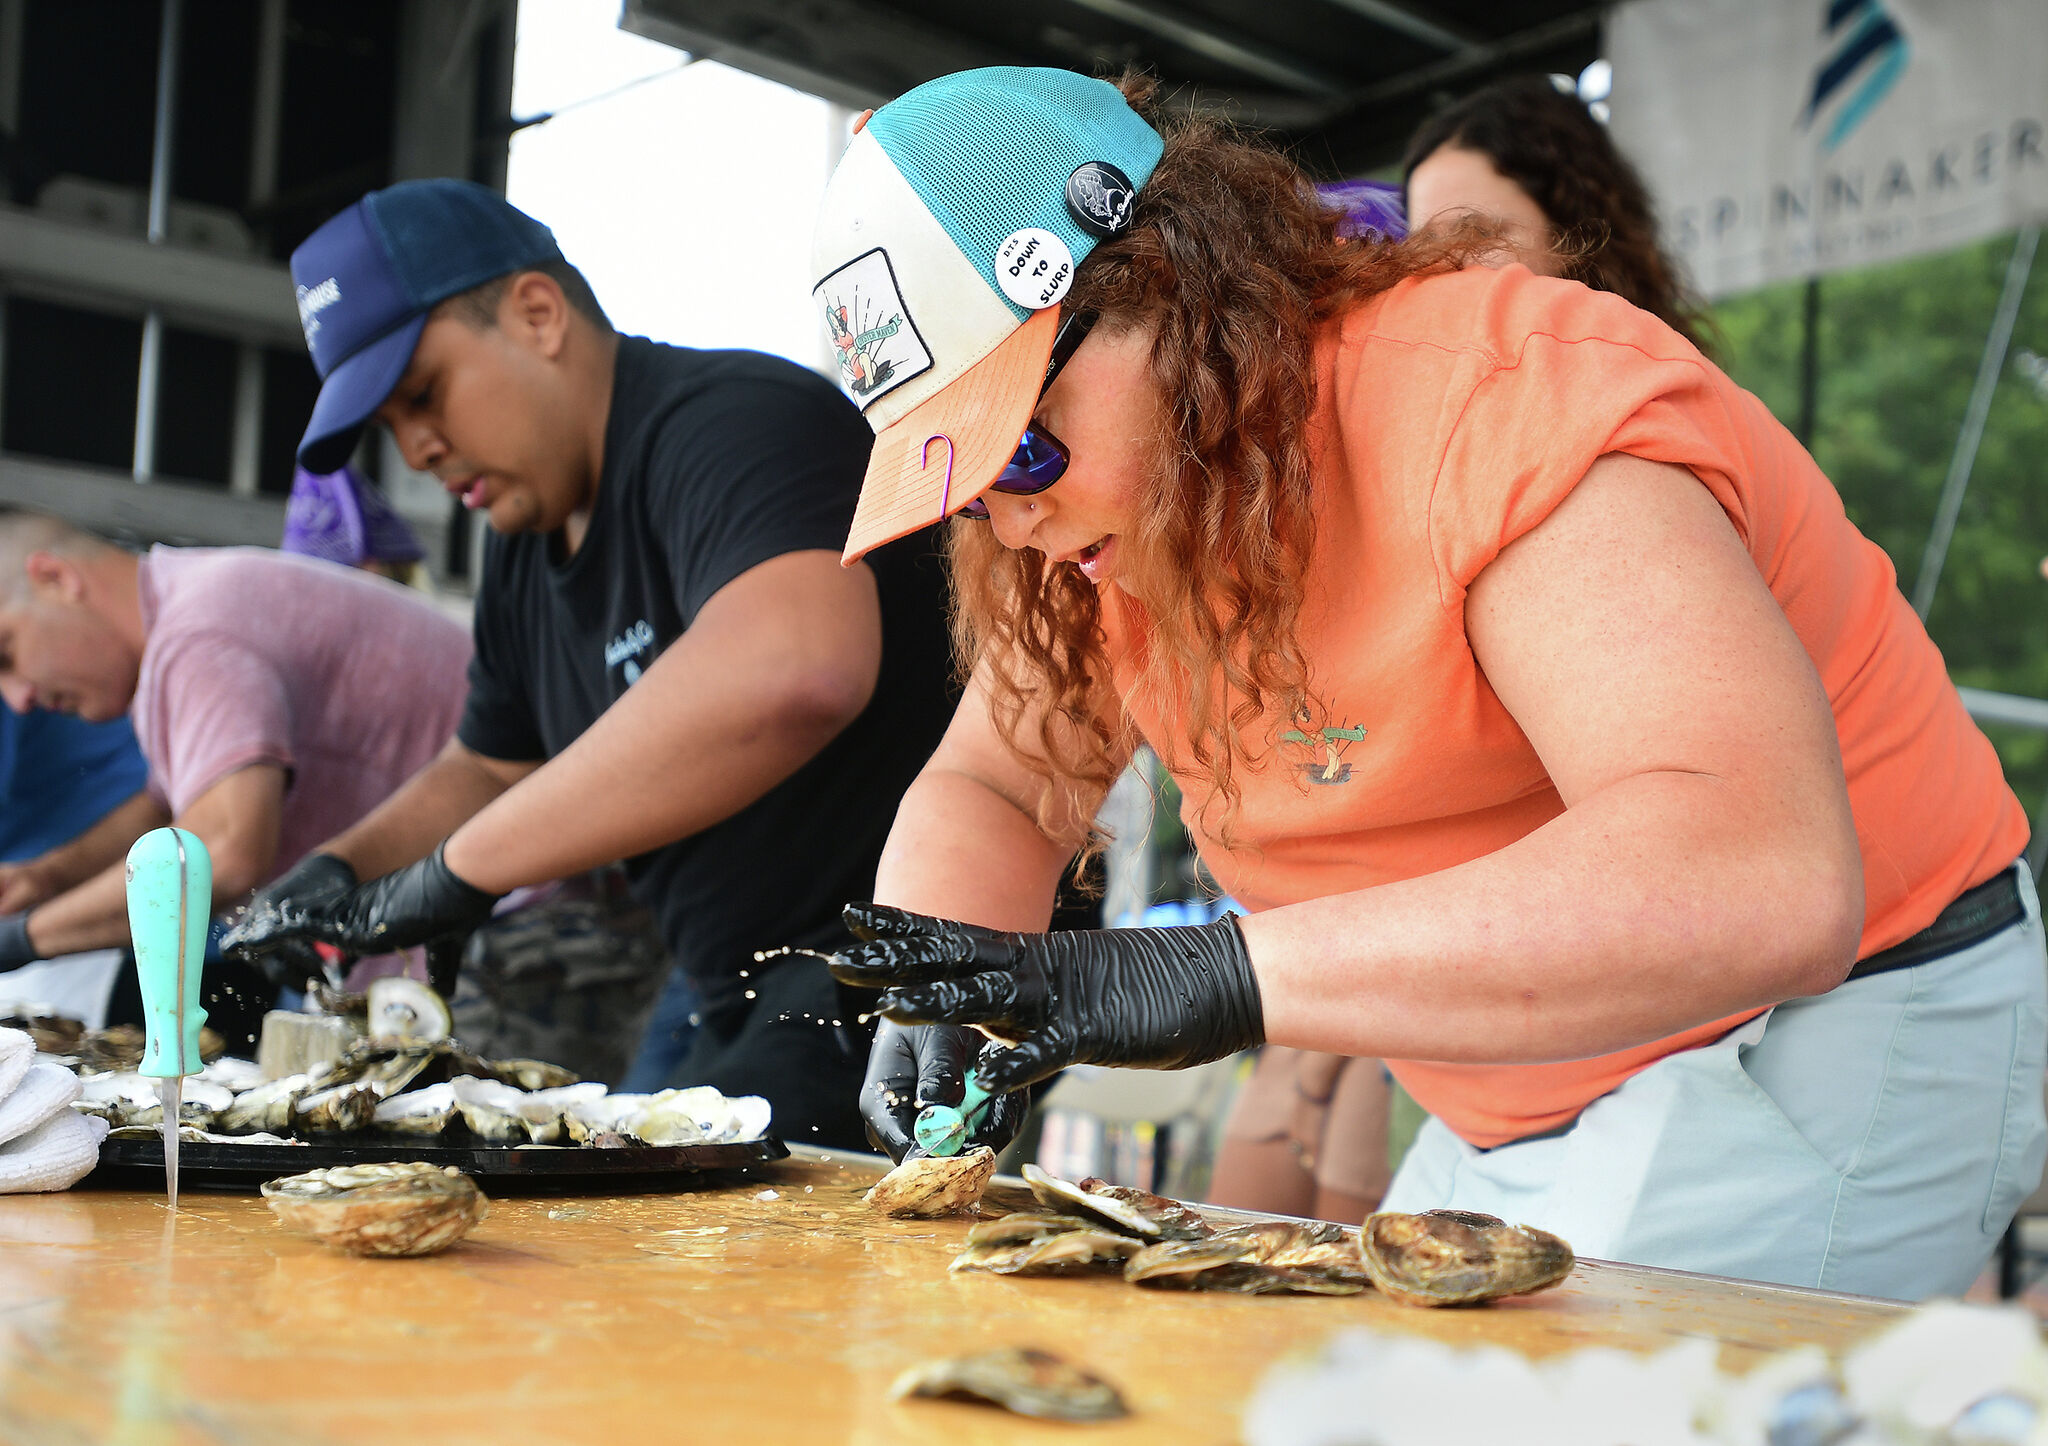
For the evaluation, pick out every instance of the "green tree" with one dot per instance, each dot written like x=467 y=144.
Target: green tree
x=1899 y=348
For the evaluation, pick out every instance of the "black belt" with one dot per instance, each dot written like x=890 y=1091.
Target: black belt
x=1974 y=915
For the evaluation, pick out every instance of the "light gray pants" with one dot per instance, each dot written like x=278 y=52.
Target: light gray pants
x=1876 y=1139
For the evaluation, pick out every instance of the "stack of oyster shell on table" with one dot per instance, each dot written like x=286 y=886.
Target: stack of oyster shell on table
x=419 y=1091
x=1441 y=1257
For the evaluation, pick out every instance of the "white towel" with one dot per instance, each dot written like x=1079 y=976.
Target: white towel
x=44 y=1090
x=55 y=1155
x=17 y=1053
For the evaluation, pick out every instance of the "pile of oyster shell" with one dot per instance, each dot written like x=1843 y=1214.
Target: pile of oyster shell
x=1442 y=1257
x=419 y=1090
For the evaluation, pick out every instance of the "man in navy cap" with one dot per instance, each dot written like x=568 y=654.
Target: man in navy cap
x=672 y=668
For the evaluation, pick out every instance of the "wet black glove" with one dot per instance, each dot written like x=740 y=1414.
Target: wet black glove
x=15 y=949
x=271 y=931
x=1144 y=998
x=914 y=1065
x=422 y=903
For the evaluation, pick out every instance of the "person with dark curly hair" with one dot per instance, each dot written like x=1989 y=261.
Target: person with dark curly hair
x=1521 y=675
x=1532 y=158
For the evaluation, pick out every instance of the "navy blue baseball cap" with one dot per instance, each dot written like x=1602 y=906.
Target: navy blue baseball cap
x=367 y=279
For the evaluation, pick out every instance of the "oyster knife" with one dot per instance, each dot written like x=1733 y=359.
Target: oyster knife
x=170 y=898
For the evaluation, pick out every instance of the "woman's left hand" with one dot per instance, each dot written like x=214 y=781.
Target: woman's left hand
x=1143 y=998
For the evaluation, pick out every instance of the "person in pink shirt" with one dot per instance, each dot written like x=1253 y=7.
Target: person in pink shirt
x=277 y=699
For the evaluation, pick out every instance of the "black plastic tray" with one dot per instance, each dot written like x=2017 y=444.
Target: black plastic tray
x=501 y=1169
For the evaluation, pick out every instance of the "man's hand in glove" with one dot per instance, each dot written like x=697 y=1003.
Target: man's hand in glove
x=273 y=929
x=1144 y=998
x=422 y=903
x=914 y=1065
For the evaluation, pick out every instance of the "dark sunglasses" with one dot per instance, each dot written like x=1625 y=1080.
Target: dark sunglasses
x=1041 y=458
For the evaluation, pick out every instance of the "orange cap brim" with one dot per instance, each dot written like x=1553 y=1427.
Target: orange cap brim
x=940 y=456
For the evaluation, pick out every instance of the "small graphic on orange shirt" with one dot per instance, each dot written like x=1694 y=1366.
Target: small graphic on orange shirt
x=1329 y=745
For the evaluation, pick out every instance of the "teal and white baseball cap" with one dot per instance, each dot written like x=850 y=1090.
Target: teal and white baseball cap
x=949 y=234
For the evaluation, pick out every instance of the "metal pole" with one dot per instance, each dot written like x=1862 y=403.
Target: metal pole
x=1809 y=365
x=148 y=372
x=2016 y=272
x=246 y=446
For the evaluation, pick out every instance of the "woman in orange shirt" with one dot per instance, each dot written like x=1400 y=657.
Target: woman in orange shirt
x=1521 y=675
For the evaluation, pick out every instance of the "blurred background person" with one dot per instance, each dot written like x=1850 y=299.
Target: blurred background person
x=276 y=700
x=72 y=799
x=341 y=517
x=1530 y=158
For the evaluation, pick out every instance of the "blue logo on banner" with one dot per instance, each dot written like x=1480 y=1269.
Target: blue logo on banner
x=1866 y=57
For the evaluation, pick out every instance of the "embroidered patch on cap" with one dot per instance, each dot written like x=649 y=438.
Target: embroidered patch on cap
x=1100 y=198
x=1034 y=268
x=877 y=344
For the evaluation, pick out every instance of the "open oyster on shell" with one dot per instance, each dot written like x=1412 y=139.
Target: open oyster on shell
x=1301 y=1257
x=1080 y=1251
x=1118 y=1208
x=1458 y=1257
x=380 y=1209
x=933 y=1185
x=1029 y=1382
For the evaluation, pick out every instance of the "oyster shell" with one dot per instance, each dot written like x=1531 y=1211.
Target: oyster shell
x=1305 y=1257
x=713 y=1118
x=1023 y=1225
x=193 y=1135
x=380 y=1209
x=543 y=1112
x=531 y=1074
x=1176 y=1221
x=118 y=1048
x=490 y=1108
x=1028 y=1382
x=1118 y=1207
x=400 y=1008
x=335 y=1110
x=602 y=1120
x=199 y=1105
x=1070 y=1252
x=418 y=1112
x=267 y=1107
x=1457 y=1257
x=934 y=1184
x=233 y=1074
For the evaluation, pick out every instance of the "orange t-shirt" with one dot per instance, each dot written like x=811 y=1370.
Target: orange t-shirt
x=1454 y=413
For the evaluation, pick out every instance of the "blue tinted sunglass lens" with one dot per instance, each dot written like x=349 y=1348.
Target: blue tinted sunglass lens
x=1038 y=462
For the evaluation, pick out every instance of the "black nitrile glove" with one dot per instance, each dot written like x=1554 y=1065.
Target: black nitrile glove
x=15 y=949
x=1142 y=998
x=422 y=903
x=271 y=931
x=914 y=1065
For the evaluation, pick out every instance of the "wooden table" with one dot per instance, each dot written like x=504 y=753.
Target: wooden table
x=721 y=1315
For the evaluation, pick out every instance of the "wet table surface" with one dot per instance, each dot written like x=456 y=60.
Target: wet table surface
x=716 y=1315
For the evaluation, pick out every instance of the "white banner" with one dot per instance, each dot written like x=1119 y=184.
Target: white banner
x=1784 y=138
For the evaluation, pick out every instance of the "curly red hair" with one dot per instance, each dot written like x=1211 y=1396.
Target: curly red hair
x=1235 y=265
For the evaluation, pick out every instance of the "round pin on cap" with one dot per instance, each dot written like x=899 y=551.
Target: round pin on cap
x=1034 y=268
x=1100 y=198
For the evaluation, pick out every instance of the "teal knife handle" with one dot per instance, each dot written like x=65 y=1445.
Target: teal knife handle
x=170 y=900
x=944 y=1129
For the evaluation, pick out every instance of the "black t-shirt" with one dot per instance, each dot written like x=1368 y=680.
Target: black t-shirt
x=714 y=462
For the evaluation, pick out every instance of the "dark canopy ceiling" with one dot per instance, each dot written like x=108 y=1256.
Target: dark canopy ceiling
x=1347 y=79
